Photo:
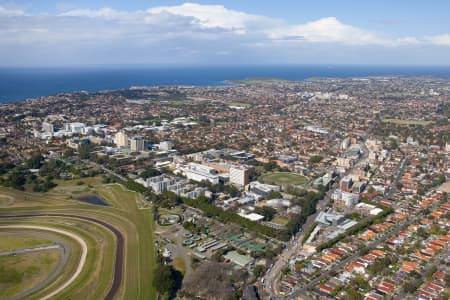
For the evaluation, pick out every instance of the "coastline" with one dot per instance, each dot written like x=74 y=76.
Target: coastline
x=21 y=84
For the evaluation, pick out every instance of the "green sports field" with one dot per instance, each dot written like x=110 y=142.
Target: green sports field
x=283 y=178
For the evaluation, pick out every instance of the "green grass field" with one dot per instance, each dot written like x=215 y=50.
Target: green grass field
x=282 y=178
x=8 y=243
x=241 y=104
x=407 y=122
x=280 y=220
x=135 y=224
x=23 y=271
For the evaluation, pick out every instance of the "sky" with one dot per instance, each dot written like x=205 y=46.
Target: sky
x=381 y=32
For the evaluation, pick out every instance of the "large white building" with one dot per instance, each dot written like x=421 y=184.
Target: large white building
x=137 y=143
x=165 y=146
x=263 y=189
x=349 y=199
x=200 y=173
x=74 y=127
x=121 y=139
x=239 y=175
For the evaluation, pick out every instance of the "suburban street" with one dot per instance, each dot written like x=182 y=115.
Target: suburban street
x=272 y=276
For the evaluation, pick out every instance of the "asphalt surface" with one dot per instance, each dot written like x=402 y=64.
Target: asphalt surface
x=28 y=250
x=111 y=172
x=119 y=261
x=272 y=275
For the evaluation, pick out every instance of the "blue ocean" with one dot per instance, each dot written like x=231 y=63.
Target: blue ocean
x=17 y=84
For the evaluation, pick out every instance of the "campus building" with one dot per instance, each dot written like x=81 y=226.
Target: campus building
x=239 y=175
x=121 y=139
x=137 y=143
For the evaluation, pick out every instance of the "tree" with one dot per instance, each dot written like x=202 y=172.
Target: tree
x=274 y=195
x=360 y=283
x=259 y=270
x=35 y=162
x=411 y=286
x=17 y=180
x=270 y=166
x=267 y=211
x=213 y=280
x=165 y=280
x=85 y=150
x=353 y=294
x=315 y=159
x=150 y=173
x=69 y=152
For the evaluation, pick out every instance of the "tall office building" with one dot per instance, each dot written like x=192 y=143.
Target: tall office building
x=239 y=175
x=137 y=143
x=121 y=139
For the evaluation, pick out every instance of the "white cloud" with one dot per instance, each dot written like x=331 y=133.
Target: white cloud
x=212 y=16
x=10 y=12
x=328 y=30
x=409 y=40
x=440 y=40
x=103 y=13
x=188 y=31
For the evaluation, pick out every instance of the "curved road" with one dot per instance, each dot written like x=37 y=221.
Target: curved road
x=66 y=233
x=65 y=253
x=118 y=264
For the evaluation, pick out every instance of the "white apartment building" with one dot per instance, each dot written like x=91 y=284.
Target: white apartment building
x=121 y=139
x=137 y=143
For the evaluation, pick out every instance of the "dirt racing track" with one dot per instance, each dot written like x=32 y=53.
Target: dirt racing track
x=81 y=263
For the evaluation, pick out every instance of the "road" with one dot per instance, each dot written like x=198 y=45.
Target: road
x=313 y=283
x=269 y=281
x=28 y=250
x=272 y=275
x=294 y=246
x=111 y=172
x=401 y=170
x=81 y=263
x=119 y=259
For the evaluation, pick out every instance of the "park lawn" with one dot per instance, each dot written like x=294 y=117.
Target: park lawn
x=242 y=104
x=280 y=221
x=23 y=271
x=281 y=178
x=407 y=122
x=8 y=243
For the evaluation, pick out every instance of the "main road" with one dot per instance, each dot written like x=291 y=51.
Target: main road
x=119 y=259
x=269 y=281
x=372 y=245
